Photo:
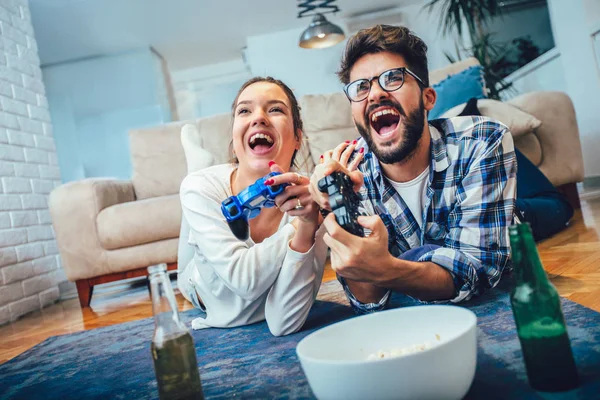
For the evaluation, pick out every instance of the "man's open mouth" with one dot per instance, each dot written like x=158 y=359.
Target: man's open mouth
x=261 y=142
x=385 y=121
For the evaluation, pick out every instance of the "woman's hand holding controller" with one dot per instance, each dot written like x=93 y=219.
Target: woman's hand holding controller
x=296 y=199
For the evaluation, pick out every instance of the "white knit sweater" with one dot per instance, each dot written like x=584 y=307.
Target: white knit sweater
x=243 y=282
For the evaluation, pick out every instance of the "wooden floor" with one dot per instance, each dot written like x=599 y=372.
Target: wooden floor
x=572 y=259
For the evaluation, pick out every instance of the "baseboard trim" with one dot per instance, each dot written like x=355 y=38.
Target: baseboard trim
x=67 y=290
x=590 y=195
x=589 y=188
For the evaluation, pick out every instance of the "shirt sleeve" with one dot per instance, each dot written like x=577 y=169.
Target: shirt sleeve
x=248 y=271
x=295 y=289
x=361 y=308
x=476 y=248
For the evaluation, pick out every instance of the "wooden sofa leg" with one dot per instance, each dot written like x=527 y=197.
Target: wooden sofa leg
x=84 y=290
x=85 y=287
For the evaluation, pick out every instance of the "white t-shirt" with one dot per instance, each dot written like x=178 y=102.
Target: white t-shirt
x=414 y=194
x=243 y=282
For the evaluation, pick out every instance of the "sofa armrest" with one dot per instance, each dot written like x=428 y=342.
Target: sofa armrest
x=74 y=207
x=109 y=192
x=562 y=158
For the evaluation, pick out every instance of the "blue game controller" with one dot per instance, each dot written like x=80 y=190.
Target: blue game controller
x=248 y=203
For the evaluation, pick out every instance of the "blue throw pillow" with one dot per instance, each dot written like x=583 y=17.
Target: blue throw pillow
x=458 y=89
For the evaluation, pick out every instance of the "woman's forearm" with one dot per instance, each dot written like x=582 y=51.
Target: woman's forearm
x=296 y=288
x=304 y=238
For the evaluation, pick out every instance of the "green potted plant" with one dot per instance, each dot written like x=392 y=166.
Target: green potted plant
x=476 y=14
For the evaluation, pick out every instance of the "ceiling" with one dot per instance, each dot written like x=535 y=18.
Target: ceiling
x=187 y=33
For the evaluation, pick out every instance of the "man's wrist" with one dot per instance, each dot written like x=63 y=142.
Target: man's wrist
x=363 y=305
x=389 y=271
x=365 y=292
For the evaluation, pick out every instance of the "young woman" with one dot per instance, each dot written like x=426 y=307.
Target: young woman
x=276 y=273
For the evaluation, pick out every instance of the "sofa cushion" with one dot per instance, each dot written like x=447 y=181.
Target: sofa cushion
x=438 y=75
x=458 y=89
x=322 y=141
x=157 y=160
x=139 y=222
x=196 y=156
x=215 y=136
x=326 y=111
x=330 y=122
x=529 y=144
x=519 y=122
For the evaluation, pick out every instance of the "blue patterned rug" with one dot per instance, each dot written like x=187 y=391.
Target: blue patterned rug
x=115 y=362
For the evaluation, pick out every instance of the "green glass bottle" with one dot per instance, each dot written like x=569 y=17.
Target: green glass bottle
x=173 y=350
x=539 y=318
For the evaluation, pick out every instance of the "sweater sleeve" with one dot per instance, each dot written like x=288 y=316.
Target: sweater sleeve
x=295 y=289
x=248 y=271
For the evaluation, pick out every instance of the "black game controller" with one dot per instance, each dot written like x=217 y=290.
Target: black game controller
x=343 y=200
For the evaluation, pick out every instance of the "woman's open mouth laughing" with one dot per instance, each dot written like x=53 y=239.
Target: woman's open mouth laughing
x=261 y=143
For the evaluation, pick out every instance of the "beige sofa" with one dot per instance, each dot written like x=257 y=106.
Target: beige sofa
x=112 y=229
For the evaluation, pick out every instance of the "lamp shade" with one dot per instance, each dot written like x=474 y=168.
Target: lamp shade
x=320 y=34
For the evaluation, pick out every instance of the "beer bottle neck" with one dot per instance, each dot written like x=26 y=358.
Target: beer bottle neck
x=164 y=306
x=530 y=268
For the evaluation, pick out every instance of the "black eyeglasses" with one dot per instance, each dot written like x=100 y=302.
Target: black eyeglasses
x=390 y=80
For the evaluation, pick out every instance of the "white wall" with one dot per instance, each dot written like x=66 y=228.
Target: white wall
x=544 y=73
x=310 y=71
x=95 y=102
x=208 y=90
x=425 y=25
x=29 y=263
x=573 y=23
x=306 y=71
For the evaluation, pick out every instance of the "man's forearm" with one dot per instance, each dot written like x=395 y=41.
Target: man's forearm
x=423 y=280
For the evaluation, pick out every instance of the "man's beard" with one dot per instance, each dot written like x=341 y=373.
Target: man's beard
x=413 y=130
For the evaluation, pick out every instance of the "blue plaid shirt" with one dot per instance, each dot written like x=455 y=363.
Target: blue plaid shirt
x=469 y=205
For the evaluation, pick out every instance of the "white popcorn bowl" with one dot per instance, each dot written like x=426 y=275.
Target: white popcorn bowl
x=334 y=358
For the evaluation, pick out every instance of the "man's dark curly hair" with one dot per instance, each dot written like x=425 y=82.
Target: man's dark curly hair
x=379 y=38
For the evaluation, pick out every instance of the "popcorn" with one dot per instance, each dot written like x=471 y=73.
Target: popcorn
x=403 y=351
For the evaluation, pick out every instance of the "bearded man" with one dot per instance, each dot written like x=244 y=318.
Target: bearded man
x=439 y=195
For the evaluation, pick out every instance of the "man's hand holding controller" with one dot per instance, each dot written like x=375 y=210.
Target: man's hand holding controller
x=343 y=200
x=354 y=257
x=325 y=169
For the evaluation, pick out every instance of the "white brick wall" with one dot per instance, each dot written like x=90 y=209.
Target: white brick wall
x=29 y=263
